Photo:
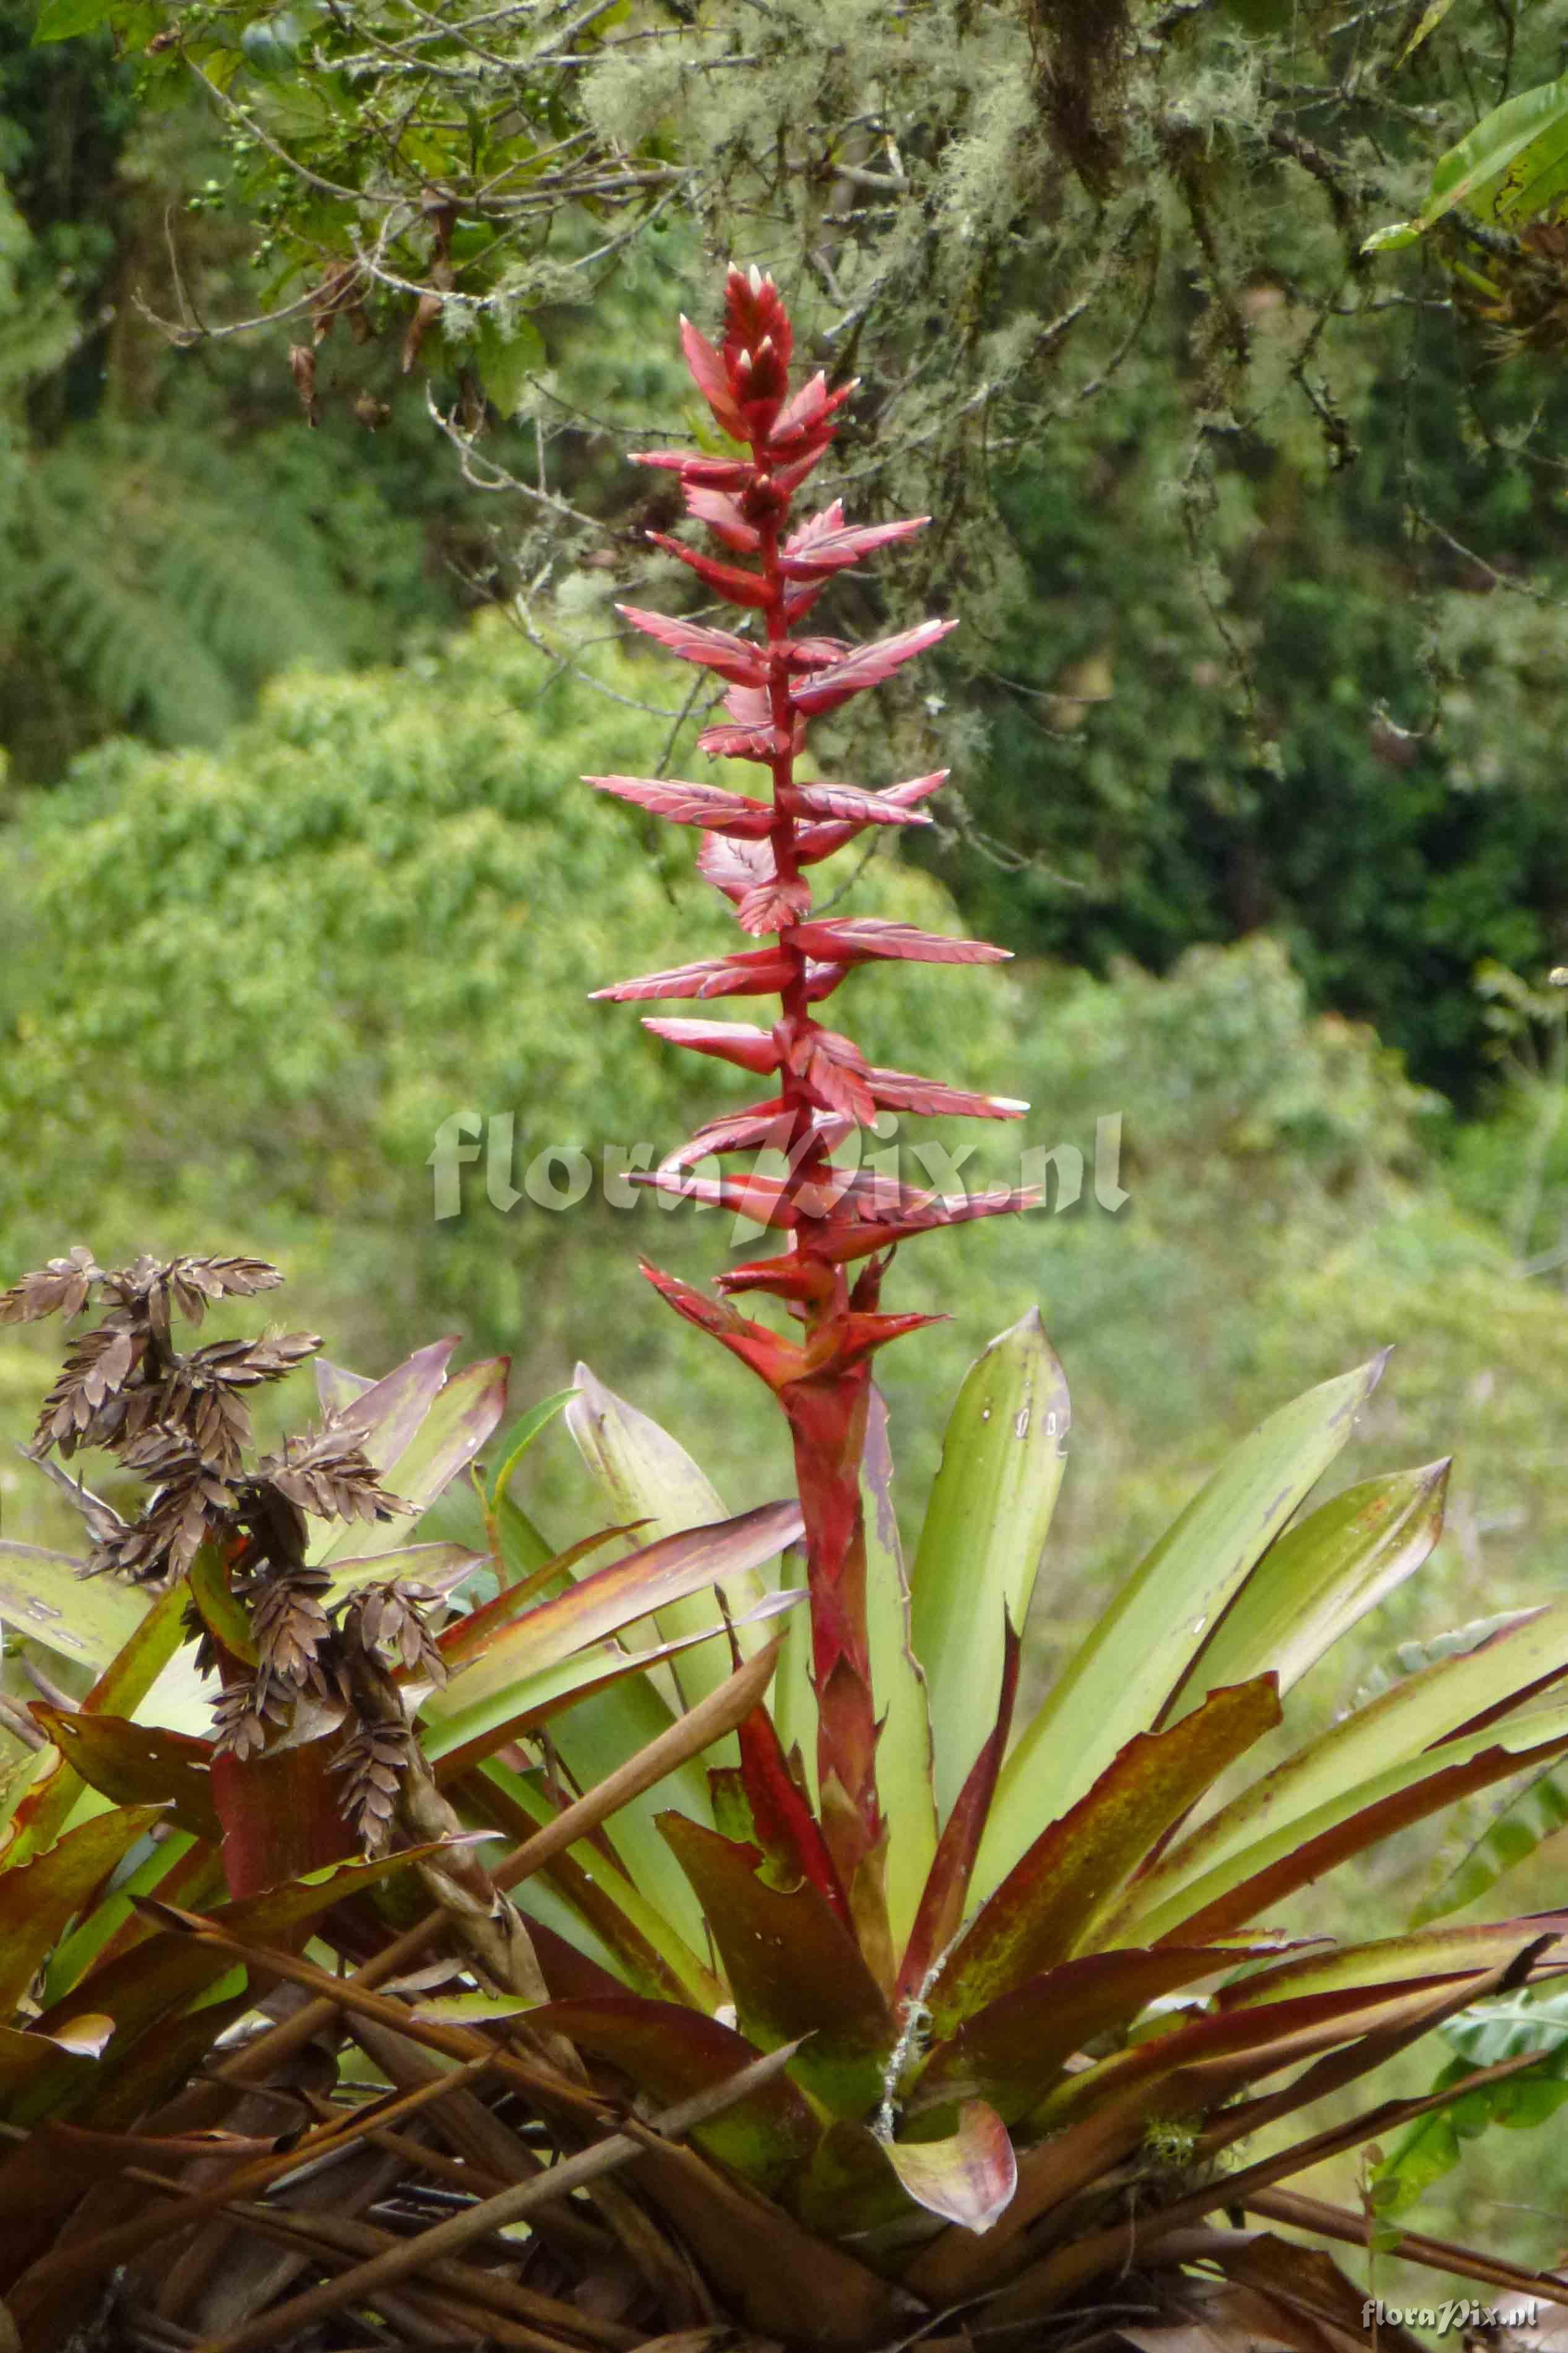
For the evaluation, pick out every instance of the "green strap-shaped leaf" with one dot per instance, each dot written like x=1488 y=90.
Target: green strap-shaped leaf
x=1426 y=1953
x=48 y=1597
x=1315 y=1580
x=1121 y=1680
x=1002 y=1462
x=1399 y=1725
x=459 y=1420
x=1296 y=1852
x=1513 y=167
x=904 y=1783
x=648 y=1476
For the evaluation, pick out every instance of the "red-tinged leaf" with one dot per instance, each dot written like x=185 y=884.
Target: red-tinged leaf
x=848 y=802
x=816 y=527
x=772 y=905
x=860 y=939
x=731 y=581
x=826 y=689
x=281 y=1815
x=793 y=1969
x=787 y=1830
x=38 y=1899
x=834 y=551
x=1076 y=1866
x=1014 y=2050
x=671 y=2053
x=740 y=1043
x=722 y=743
x=718 y=473
x=968 y=2179
x=387 y=1413
x=736 y=867
x=754 y=973
x=708 y=374
x=468 y=1636
x=723 y=517
x=815 y=654
x=806 y=414
x=774 y=1360
x=1310 y=1858
x=716 y=649
x=709 y=805
x=139 y=1765
x=764 y=1128
x=898 y=1090
x=1424 y=1953
x=822 y=839
x=617 y=1597
x=946 y=1892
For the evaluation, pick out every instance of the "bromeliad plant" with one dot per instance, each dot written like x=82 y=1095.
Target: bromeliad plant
x=1038 y=2016
x=935 y=2028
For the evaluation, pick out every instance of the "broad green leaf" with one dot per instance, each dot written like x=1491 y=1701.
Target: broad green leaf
x=46 y=1597
x=904 y=1783
x=648 y=1476
x=1524 y=1823
x=1513 y=165
x=472 y=2009
x=222 y=1614
x=1046 y=1906
x=1426 y=1708
x=793 y=1969
x=1002 y=1462
x=457 y=1422
x=387 y=1412
x=38 y=1898
x=179 y=1868
x=61 y=20
x=968 y=2177
x=1292 y=1854
x=1120 y=1681
x=441 y=1566
x=1431 y=17
x=1317 y=1578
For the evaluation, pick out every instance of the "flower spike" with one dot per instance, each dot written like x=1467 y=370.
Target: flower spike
x=756 y=853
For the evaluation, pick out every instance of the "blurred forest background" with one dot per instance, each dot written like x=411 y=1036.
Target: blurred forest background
x=1256 y=719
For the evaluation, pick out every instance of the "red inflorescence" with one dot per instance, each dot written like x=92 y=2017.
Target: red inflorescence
x=756 y=852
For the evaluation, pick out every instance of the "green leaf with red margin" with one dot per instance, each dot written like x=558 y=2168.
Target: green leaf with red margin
x=1002 y=1456
x=38 y=1898
x=1521 y=1824
x=1045 y=1906
x=1428 y=1709
x=793 y=1969
x=466 y=1637
x=905 y=1767
x=968 y=2177
x=1011 y=2051
x=946 y=1893
x=1315 y=1580
x=1299 y=1851
x=124 y=1683
x=1426 y=1953
x=671 y=2053
x=494 y=1686
x=647 y=1475
x=1119 y=1680
x=137 y=1764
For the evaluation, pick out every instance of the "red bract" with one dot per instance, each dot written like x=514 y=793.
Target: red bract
x=753 y=852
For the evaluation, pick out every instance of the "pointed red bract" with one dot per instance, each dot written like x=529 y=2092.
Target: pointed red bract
x=755 y=852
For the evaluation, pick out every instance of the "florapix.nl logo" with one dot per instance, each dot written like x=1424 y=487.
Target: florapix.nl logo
x=471 y=1148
